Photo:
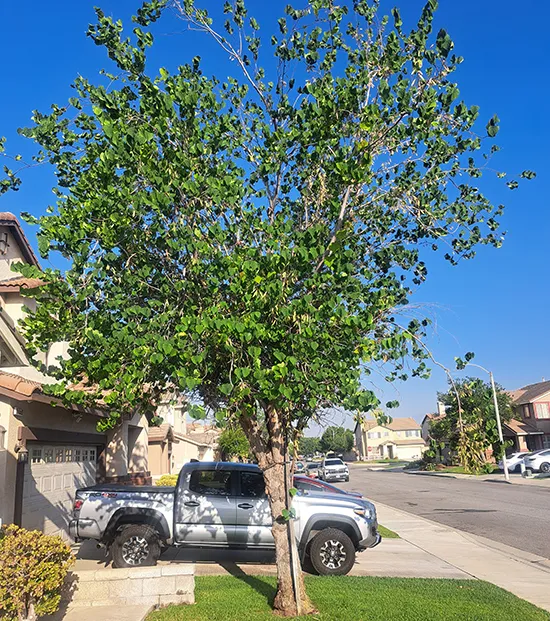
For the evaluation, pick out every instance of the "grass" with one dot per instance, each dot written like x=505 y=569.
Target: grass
x=387 y=533
x=460 y=470
x=352 y=598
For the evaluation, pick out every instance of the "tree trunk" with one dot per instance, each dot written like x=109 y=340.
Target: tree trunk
x=270 y=457
x=285 y=599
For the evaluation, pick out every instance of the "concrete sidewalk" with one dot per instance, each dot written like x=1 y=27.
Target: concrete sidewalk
x=523 y=574
x=105 y=613
x=393 y=557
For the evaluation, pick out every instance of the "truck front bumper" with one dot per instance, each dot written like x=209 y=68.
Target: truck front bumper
x=372 y=540
x=84 y=529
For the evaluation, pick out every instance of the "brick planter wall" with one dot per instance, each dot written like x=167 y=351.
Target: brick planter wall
x=147 y=586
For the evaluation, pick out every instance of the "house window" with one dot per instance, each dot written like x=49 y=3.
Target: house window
x=386 y=434
x=91 y=454
x=59 y=455
x=77 y=454
x=84 y=454
x=526 y=411
x=546 y=442
x=36 y=455
x=375 y=434
x=48 y=455
x=412 y=433
x=68 y=454
x=542 y=410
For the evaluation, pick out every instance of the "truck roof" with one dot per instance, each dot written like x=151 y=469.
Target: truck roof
x=220 y=465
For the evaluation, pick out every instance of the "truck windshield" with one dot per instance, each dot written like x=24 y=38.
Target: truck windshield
x=333 y=462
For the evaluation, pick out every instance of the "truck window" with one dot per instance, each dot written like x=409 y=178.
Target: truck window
x=252 y=485
x=211 y=482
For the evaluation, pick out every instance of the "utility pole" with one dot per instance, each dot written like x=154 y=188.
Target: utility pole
x=499 y=426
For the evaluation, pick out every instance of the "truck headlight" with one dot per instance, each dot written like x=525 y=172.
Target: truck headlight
x=365 y=512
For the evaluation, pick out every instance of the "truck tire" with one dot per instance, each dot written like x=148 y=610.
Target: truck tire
x=332 y=552
x=136 y=545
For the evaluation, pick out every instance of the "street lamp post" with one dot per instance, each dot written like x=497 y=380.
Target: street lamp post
x=497 y=414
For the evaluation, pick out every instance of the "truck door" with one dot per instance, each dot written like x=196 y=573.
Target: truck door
x=254 y=519
x=206 y=507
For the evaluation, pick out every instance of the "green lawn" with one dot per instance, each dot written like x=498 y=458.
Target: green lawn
x=350 y=598
x=460 y=470
x=387 y=533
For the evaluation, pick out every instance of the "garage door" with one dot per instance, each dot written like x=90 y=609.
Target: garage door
x=52 y=476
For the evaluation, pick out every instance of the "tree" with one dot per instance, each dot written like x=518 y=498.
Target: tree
x=309 y=446
x=337 y=439
x=234 y=443
x=479 y=427
x=251 y=241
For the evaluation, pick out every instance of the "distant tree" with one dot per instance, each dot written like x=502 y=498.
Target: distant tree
x=479 y=427
x=234 y=443
x=337 y=439
x=309 y=446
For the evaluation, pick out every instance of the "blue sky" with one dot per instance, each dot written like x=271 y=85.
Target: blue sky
x=497 y=305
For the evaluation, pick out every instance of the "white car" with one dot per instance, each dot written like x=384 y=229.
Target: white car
x=334 y=470
x=539 y=461
x=513 y=461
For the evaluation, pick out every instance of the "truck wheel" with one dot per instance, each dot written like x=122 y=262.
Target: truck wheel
x=136 y=545
x=332 y=553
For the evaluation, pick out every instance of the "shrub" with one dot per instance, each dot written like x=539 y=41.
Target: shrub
x=33 y=567
x=167 y=480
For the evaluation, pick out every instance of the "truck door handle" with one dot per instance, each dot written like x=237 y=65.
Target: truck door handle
x=191 y=503
x=245 y=505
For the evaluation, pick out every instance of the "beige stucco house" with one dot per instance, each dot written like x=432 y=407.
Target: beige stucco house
x=400 y=439
x=177 y=441
x=530 y=429
x=46 y=450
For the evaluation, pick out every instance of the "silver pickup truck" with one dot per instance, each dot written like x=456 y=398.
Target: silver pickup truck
x=220 y=505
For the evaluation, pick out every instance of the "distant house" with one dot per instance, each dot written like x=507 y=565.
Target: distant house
x=176 y=441
x=400 y=439
x=530 y=429
x=429 y=419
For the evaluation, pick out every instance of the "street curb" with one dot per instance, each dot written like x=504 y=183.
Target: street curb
x=424 y=473
x=471 y=477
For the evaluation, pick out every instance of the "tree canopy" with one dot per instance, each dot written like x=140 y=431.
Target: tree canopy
x=234 y=443
x=253 y=240
x=337 y=439
x=309 y=446
x=478 y=421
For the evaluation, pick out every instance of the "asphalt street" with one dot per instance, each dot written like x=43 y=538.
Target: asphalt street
x=515 y=515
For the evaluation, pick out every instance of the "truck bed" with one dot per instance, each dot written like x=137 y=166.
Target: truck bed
x=117 y=487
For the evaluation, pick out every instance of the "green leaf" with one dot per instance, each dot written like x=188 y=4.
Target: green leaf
x=292 y=491
x=226 y=389
x=528 y=174
x=444 y=43
x=492 y=126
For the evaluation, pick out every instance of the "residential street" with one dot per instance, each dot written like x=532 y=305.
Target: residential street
x=518 y=516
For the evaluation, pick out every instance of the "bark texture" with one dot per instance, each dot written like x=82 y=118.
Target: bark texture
x=270 y=454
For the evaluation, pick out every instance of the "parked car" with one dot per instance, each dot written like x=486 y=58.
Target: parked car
x=514 y=461
x=312 y=469
x=315 y=485
x=220 y=505
x=538 y=461
x=300 y=467
x=333 y=469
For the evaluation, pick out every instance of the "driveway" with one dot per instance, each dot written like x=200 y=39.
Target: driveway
x=515 y=515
